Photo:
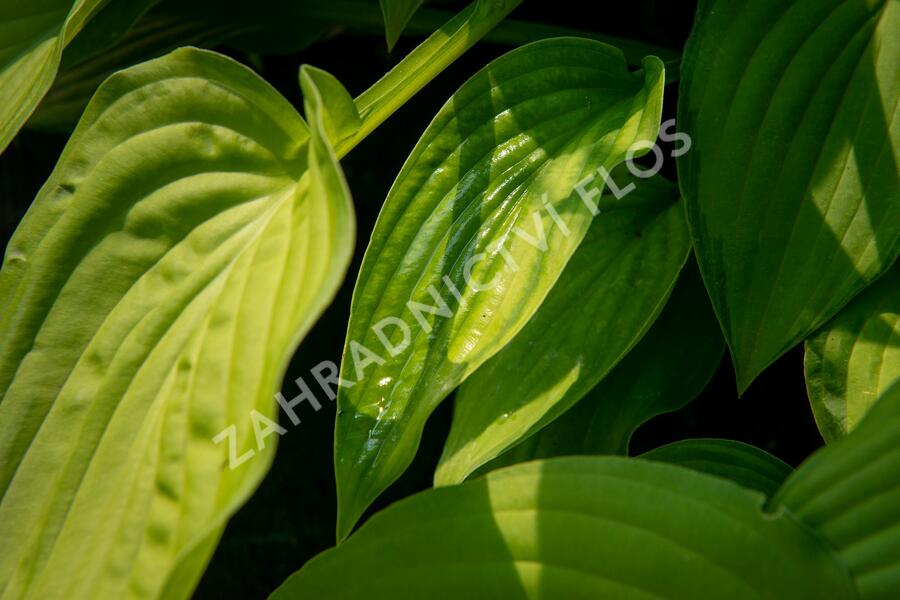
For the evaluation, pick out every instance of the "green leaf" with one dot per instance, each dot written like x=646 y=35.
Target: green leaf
x=852 y=361
x=33 y=35
x=107 y=28
x=82 y=72
x=397 y=14
x=192 y=231
x=609 y=294
x=848 y=492
x=425 y=62
x=578 y=528
x=741 y=463
x=792 y=185
x=340 y=119
x=469 y=212
x=665 y=371
x=113 y=41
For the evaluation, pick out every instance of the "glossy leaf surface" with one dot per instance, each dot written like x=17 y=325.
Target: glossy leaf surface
x=578 y=528
x=665 y=371
x=605 y=300
x=852 y=361
x=455 y=263
x=192 y=231
x=792 y=181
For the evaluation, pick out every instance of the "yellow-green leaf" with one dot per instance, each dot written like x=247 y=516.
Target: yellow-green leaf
x=608 y=296
x=192 y=231
x=852 y=361
x=475 y=231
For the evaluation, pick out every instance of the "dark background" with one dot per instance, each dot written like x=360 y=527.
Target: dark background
x=291 y=516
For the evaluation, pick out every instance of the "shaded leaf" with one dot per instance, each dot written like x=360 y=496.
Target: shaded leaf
x=97 y=53
x=192 y=231
x=852 y=361
x=665 y=371
x=746 y=465
x=107 y=28
x=792 y=184
x=609 y=294
x=848 y=492
x=397 y=14
x=578 y=528
x=472 y=200
x=32 y=37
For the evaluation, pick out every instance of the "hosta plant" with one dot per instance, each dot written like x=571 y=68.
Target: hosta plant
x=585 y=226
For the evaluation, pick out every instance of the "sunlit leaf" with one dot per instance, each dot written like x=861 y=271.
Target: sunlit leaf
x=855 y=358
x=192 y=231
x=579 y=529
x=608 y=296
x=743 y=464
x=792 y=183
x=849 y=493
x=33 y=34
x=671 y=364
x=456 y=264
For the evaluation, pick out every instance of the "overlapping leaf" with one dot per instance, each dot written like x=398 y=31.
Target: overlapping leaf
x=579 y=528
x=609 y=294
x=792 y=183
x=746 y=465
x=475 y=231
x=671 y=364
x=852 y=361
x=32 y=37
x=192 y=231
x=849 y=493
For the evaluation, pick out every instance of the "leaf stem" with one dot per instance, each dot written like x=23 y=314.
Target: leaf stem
x=423 y=64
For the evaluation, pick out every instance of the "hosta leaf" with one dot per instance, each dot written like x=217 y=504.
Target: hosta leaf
x=33 y=34
x=746 y=465
x=106 y=28
x=397 y=14
x=340 y=119
x=855 y=358
x=849 y=493
x=609 y=294
x=192 y=231
x=578 y=528
x=469 y=212
x=157 y=33
x=671 y=364
x=792 y=183
x=109 y=43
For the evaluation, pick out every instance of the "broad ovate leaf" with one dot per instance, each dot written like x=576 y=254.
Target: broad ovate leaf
x=475 y=231
x=792 y=183
x=580 y=529
x=33 y=34
x=665 y=371
x=854 y=359
x=849 y=493
x=192 y=231
x=741 y=463
x=397 y=14
x=609 y=294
